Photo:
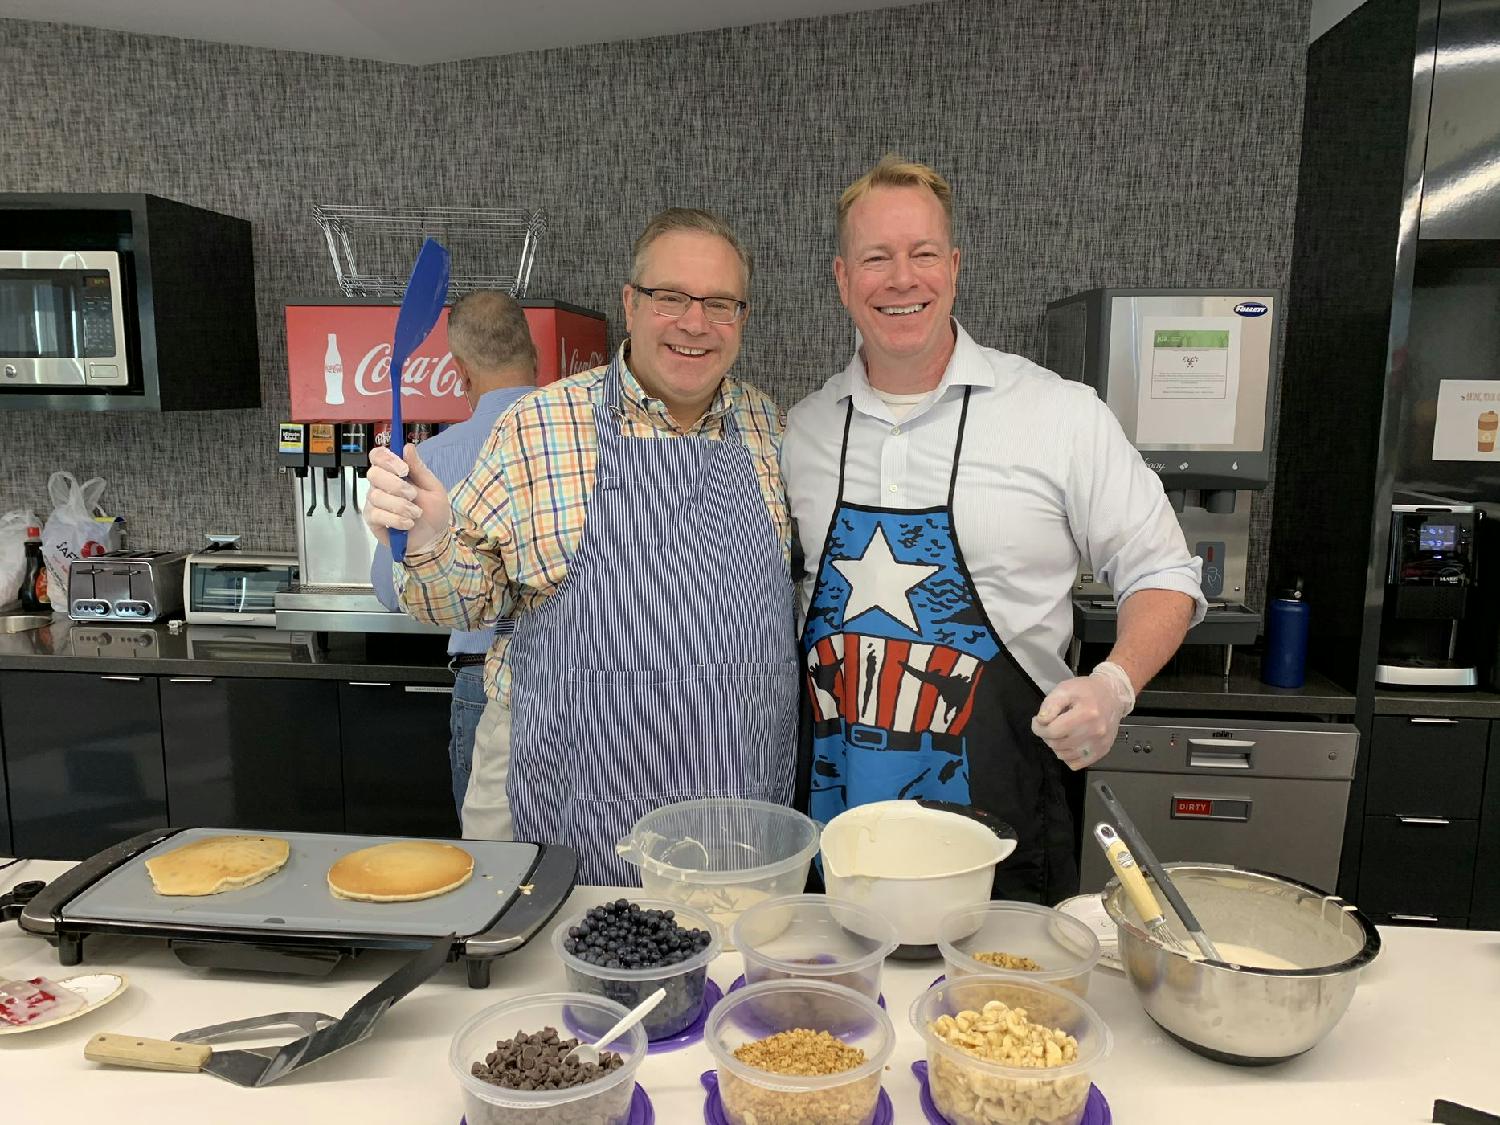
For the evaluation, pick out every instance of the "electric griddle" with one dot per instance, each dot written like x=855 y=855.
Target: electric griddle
x=292 y=922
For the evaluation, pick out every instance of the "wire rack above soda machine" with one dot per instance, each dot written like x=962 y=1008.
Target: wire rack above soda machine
x=373 y=248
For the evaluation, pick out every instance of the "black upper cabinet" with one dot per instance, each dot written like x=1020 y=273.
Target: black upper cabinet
x=1458 y=196
x=189 y=297
x=83 y=760
x=397 y=780
x=252 y=754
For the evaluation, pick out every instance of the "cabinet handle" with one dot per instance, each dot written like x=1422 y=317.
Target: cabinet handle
x=1430 y=919
x=428 y=689
x=367 y=683
x=1429 y=720
x=1440 y=820
x=122 y=679
x=190 y=680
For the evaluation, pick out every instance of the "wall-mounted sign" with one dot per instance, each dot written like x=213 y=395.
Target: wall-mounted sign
x=1468 y=416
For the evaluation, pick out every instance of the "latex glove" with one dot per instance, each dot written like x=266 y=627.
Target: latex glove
x=405 y=494
x=1078 y=720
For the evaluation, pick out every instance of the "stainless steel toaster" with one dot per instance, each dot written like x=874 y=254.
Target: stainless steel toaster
x=126 y=586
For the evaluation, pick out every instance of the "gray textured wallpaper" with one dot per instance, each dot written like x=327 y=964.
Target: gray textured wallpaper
x=1138 y=142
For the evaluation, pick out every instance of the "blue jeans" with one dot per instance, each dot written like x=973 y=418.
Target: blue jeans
x=463 y=718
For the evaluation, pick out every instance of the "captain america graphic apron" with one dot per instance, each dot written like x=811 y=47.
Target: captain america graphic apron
x=913 y=693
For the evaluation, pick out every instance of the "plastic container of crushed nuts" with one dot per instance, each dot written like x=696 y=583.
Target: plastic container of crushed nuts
x=969 y=1089
x=605 y=1101
x=685 y=982
x=814 y=937
x=1065 y=948
x=754 y=1095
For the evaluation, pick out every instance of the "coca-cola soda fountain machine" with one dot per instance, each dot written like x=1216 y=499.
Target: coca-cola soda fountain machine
x=338 y=365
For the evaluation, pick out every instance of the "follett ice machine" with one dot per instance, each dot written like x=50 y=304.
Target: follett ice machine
x=1188 y=373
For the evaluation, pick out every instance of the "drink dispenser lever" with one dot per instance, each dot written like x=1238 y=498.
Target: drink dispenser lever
x=323 y=453
x=291 y=453
x=354 y=452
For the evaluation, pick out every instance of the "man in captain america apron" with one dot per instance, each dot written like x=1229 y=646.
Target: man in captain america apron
x=944 y=495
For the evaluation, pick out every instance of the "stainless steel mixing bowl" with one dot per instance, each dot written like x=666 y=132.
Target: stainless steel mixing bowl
x=1246 y=1016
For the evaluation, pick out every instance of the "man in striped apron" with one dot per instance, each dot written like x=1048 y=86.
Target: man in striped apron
x=632 y=520
x=944 y=494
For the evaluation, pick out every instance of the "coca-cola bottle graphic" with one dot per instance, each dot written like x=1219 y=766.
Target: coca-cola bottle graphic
x=333 y=373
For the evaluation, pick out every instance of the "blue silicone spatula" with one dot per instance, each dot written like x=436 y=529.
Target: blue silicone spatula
x=426 y=290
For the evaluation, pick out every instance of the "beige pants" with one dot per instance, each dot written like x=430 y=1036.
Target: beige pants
x=486 y=812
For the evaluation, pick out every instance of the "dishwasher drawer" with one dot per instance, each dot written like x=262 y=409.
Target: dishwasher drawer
x=1288 y=826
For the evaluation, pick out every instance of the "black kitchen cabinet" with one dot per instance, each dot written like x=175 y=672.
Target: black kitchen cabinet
x=1426 y=766
x=252 y=753
x=1422 y=867
x=83 y=761
x=5 y=841
x=1486 y=908
x=397 y=780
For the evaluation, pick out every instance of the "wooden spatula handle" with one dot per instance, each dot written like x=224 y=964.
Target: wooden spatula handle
x=147 y=1054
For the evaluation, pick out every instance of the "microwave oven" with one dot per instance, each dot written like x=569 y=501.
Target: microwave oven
x=64 y=320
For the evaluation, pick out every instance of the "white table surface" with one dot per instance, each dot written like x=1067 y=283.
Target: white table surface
x=1424 y=1024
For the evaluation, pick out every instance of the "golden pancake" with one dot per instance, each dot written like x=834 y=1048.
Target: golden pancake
x=217 y=863
x=400 y=872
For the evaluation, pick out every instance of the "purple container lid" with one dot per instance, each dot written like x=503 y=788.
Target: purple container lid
x=1095 y=1110
x=642 y=1112
x=739 y=983
x=713 y=1105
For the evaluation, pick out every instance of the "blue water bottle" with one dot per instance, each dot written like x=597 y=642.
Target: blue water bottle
x=1285 y=661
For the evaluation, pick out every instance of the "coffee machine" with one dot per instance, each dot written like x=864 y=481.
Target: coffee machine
x=1188 y=373
x=1431 y=632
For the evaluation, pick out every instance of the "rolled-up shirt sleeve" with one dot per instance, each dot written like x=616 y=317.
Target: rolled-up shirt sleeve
x=1121 y=520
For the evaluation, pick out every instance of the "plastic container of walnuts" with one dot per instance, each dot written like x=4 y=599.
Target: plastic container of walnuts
x=753 y=1095
x=1000 y=1076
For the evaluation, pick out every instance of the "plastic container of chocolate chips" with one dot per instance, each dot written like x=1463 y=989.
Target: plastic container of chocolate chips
x=605 y=1101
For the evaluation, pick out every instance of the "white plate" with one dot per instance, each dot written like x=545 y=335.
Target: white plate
x=1089 y=909
x=97 y=989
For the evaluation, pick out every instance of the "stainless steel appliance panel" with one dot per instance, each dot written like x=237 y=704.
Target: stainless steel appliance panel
x=1270 y=797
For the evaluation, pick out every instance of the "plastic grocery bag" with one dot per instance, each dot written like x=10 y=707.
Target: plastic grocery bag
x=13 y=527
x=76 y=529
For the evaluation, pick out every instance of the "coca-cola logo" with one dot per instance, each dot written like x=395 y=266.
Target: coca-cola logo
x=572 y=362
x=438 y=375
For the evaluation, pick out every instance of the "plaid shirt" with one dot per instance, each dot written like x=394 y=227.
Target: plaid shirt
x=518 y=518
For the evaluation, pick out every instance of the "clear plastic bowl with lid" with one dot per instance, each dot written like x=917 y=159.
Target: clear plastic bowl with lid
x=970 y=1090
x=1065 y=948
x=814 y=937
x=722 y=855
x=754 y=1096
x=684 y=982
x=605 y=1101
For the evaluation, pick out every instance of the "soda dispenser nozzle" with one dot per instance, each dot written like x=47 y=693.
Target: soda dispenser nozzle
x=323 y=453
x=291 y=453
x=354 y=451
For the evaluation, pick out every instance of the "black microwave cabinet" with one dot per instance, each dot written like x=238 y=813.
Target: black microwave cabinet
x=190 y=281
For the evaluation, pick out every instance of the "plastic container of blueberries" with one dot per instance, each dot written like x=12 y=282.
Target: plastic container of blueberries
x=757 y=1011
x=684 y=982
x=606 y=1100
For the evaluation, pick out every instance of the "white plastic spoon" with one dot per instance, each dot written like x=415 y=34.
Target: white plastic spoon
x=589 y=1052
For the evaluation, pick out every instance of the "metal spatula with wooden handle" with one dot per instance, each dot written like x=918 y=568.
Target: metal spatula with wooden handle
x=260 y=1066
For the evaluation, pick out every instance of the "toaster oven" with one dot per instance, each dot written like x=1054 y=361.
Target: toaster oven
x=232 y=587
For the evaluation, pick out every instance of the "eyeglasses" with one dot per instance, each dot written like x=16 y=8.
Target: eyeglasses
x=670 y=303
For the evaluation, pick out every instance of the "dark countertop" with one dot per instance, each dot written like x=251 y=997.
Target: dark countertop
x=211 y=650
x=1191 y=683
x=1194 y=681
x=1445 y=704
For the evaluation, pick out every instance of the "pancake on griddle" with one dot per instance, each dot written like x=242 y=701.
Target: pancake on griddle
x=217 y=863
x=403 y=871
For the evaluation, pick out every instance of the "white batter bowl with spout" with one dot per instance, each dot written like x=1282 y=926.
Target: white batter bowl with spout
x=913 y=862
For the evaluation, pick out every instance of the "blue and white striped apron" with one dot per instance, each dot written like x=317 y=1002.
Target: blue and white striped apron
x=665 y=667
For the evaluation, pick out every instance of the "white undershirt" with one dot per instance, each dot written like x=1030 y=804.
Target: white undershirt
x=901 y=405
